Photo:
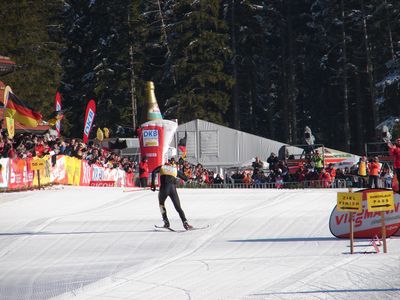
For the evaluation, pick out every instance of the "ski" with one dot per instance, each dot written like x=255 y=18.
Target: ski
x=198 y=228
x=162 y=228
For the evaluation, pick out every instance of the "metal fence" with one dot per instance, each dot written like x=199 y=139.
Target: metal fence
x=315 y=184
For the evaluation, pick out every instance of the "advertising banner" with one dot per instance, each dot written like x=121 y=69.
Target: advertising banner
x=58 y=172
x=18 y=174
x=155 y=138
x=89 y=119
x=367 y=223
x=73 y=170
x=86 y=173
x=97 y=173
x=102 y=183
x=4 y=172
x=129 y=180
x=151 y=139
x=57 y=107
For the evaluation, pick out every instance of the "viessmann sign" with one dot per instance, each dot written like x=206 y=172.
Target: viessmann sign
x=367 y=223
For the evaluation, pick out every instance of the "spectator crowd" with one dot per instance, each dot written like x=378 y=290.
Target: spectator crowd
x=368 y=172
x=28 y=145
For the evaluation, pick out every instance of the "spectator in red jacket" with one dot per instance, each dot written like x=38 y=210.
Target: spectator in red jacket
x=325 y=178
x=143 y=172
x=394 y=150
x=374 y=168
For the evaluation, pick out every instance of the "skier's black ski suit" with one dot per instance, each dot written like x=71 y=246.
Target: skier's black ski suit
x=168 y=175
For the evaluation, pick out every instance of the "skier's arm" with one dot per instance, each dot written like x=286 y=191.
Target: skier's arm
x=153 y=177
x=182 y=176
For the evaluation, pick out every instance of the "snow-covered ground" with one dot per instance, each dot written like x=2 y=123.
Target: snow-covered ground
x=99 y=243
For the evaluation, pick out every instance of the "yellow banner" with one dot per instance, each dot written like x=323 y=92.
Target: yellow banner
x=73 y=168
x=10 y=127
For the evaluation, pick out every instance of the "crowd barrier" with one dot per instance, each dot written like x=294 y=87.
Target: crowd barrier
x=337 y=183
x=16 y=174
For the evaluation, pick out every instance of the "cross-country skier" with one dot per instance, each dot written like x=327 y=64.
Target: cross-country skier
x=394 y=151
x=168 y=174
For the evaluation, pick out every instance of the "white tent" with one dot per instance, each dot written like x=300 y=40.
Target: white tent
x=215 y=145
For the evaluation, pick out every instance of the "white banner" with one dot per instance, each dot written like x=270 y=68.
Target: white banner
x=4 y=162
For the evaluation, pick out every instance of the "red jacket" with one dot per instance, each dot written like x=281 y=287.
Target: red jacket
x=374 y=168
x=395 y=152
x=143 y=170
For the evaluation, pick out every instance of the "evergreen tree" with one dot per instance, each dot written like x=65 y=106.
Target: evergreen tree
x=199 y=52
x=30 y=36
x=157 y=67
x=97 y=62
x=76 y=63
x=247 y=21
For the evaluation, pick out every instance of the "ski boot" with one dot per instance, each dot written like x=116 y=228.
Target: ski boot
x=166 y=224
x=187 y=226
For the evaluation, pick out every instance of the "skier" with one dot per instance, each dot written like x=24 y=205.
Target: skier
x=168 y=173
x=394 y=151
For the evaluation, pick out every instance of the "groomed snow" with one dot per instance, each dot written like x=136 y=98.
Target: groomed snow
x=99 y=243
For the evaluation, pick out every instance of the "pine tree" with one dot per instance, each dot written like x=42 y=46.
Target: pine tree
x=247 y=21
x=29 y=35
x=76 y=63
x=199 y=54
x=97 y=62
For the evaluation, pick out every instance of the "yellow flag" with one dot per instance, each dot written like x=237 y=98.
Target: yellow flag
x=106 y=132
x=10 y=127
x=100 y=135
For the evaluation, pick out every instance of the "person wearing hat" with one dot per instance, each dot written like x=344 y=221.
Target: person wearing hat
x=143 y=172
x=168 y=175
x=394 y=151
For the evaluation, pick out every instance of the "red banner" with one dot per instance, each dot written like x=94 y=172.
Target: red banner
x=86 y=173
x=129 y=180
x=89 y=118
x=106 y=183
x=57 y=107
x=151 y=138
x=18 y=174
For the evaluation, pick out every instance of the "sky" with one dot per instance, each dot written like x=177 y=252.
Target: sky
x=100 y=243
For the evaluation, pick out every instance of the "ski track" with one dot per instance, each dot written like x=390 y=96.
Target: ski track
x=261 y=244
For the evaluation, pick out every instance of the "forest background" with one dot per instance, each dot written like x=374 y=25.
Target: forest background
x=265 y=67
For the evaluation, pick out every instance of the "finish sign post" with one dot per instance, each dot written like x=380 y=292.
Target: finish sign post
x=381 y=201
x=350 y=202
x=38 y=164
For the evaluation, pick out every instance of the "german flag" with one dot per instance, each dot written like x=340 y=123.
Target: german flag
x=55 y=116
x=21 y=112
x=182 y=145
